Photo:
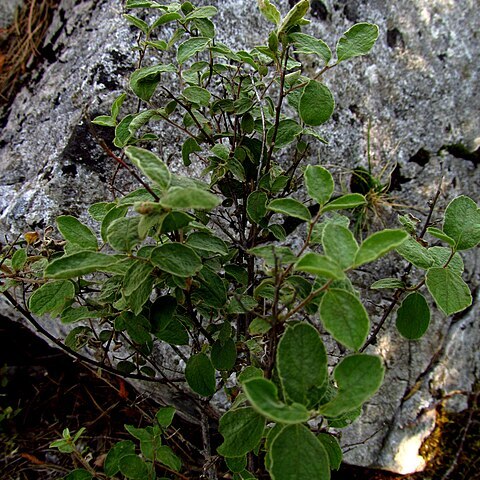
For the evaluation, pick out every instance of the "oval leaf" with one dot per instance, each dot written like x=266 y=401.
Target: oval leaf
x=449 y=291
x=357 y=41
x=296 y=454
x=189 y=198
x=76 y=232
x=301 y=362
x=339 y=244
x=316 y=103
x=462 y=222
x=151 y=165
x=176 y=259
x=358 y=377
x=200 y=375
x=290 y=207
x=242 y=429
x=379 y=244
x=263 y=396
x=344 y=317
x=319 y=183
x=51 y=297
x=80 y=263
x=413 y=316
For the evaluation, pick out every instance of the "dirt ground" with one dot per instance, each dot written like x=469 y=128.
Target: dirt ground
x=46 y=392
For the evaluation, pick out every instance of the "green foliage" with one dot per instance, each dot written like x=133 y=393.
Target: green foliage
x=194 y=265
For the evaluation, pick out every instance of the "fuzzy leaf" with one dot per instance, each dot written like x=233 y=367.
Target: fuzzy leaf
x=357 y=41
x=177 y=259
x=200 y=375
x=319 y=183
x=413 y=316
x=51 y=297
x=449 y=291
x=290 y=207
x=150 y=165
x=76 y=232
x=316 y=103
x=358 y=377
x=462 y=222
x=378 y=244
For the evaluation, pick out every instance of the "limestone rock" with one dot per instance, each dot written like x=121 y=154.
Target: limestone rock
x=419 y=89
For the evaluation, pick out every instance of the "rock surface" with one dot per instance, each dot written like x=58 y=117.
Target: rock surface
x=7 y=11
x=419 y=88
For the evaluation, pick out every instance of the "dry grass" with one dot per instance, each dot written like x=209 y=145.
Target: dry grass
x=20 y=45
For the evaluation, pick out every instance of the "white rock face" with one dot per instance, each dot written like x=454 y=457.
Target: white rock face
x=419 y=87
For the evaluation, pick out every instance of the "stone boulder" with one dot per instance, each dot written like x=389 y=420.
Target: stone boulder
x=419 y=90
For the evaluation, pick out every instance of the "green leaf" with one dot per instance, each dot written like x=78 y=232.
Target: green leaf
x=72 y=315
x=104 y=121
x=19 y=258
x=166 y=18
x=150 y=165
x=200 y=375
x=356 y=41
x=287 y=132
x=339 y=244
x=201 y=12
x=462 y=222
x=442 y=255
x=317 y=264
x=164 y=324
x=263 y=396
x=415 y=253
x=294 y=16
x=449 y=291
x=212 y=291
x=79 y=474
x=319 y=183
x=135 y=275
x=144 y=81
x=98 y=210
x=316 y=103
x=133 y=467
x=437 y=233
x=143 y=26
x=122 y=234
x=111 y=215
x=269 y=11
x=117 y=105
x=333 y=449
x=137 y=326
x=76 y=232
x=378 y=244
x=301 y=362
x=197 y=95
x=413 y=316
x=387 y=283
x=207 y=243
x=190 y=47
x=165 y=416
x=272 y=254
x=257 y=206
x=80 y=263
x=122 y=132
x=242 y=430
x=189 y=146
x=51 y=297
x=236 y=464
x=296 y=454
x=290 y=207
x=121 y=449
x=165 y=456
x=344 y=317
x=177 y=259
x=351 y=200
x=358 y=378
x=189 y=198
x=224 y=354
x=310 y=45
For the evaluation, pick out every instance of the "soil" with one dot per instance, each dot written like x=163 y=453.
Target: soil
x=47 y=392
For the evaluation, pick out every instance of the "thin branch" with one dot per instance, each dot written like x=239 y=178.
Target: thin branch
x=29 y=317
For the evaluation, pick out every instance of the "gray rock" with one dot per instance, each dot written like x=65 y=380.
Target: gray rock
x=418 y=87
x=7 y=11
